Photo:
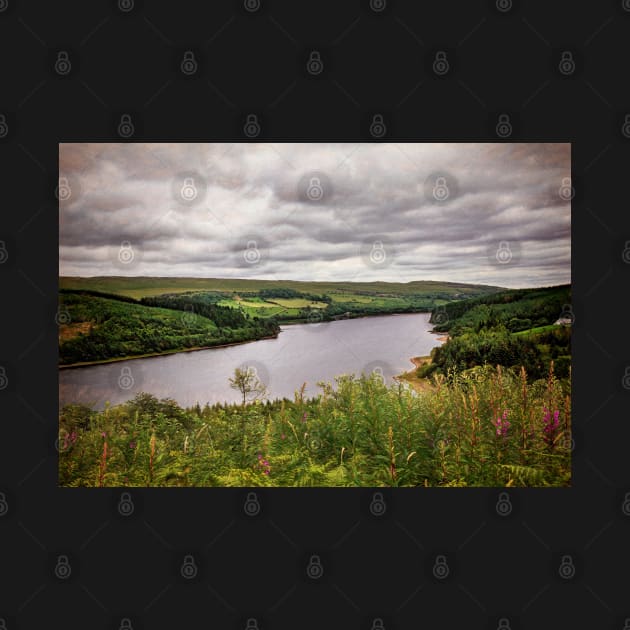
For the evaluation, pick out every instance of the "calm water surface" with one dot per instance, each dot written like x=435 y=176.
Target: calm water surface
x=302 y=353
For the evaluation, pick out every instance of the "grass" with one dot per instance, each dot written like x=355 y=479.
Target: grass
x=138 y=287
x=298 y=303
x=489 y=427
x=538 y=329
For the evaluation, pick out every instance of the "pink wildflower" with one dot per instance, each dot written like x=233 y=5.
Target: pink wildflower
x=502 y=425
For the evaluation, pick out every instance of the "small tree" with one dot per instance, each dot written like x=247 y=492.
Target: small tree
x=247 y=382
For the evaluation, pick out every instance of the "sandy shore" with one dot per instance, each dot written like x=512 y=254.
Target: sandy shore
x=411 y=377
x=419 y=384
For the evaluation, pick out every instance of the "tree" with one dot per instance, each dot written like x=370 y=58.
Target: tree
x=247 y=382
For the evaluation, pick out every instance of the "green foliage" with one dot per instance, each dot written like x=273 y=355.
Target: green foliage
x=497 y=330
x=358 y=433
x=508 y=308
x=104 y=328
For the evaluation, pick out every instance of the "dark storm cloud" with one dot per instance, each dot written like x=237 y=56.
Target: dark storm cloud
x=252 y=198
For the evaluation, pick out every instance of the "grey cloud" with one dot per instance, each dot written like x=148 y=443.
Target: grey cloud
x=124 y=192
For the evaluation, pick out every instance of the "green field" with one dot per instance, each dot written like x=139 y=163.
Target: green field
x=538 y=329
x=138 y=287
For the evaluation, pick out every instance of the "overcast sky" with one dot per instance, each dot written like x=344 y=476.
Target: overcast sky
x=482 y=213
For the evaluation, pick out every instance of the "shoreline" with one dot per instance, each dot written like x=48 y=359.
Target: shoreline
x=343 y=319
x=417 y=383
x=160 y=354
x=149 y=355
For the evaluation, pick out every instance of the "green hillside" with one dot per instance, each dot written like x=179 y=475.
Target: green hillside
x=138 y=287
x=95 y=328
x=510 y=328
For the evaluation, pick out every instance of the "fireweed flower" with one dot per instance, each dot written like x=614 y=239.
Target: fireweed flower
x=550 y=425
x=264 y=465
x=502 y=424
x=304 y=417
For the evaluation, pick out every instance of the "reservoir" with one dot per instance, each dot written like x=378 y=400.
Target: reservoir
x=302 y=353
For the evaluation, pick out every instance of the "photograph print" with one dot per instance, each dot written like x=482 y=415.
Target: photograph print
x=315 y=314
